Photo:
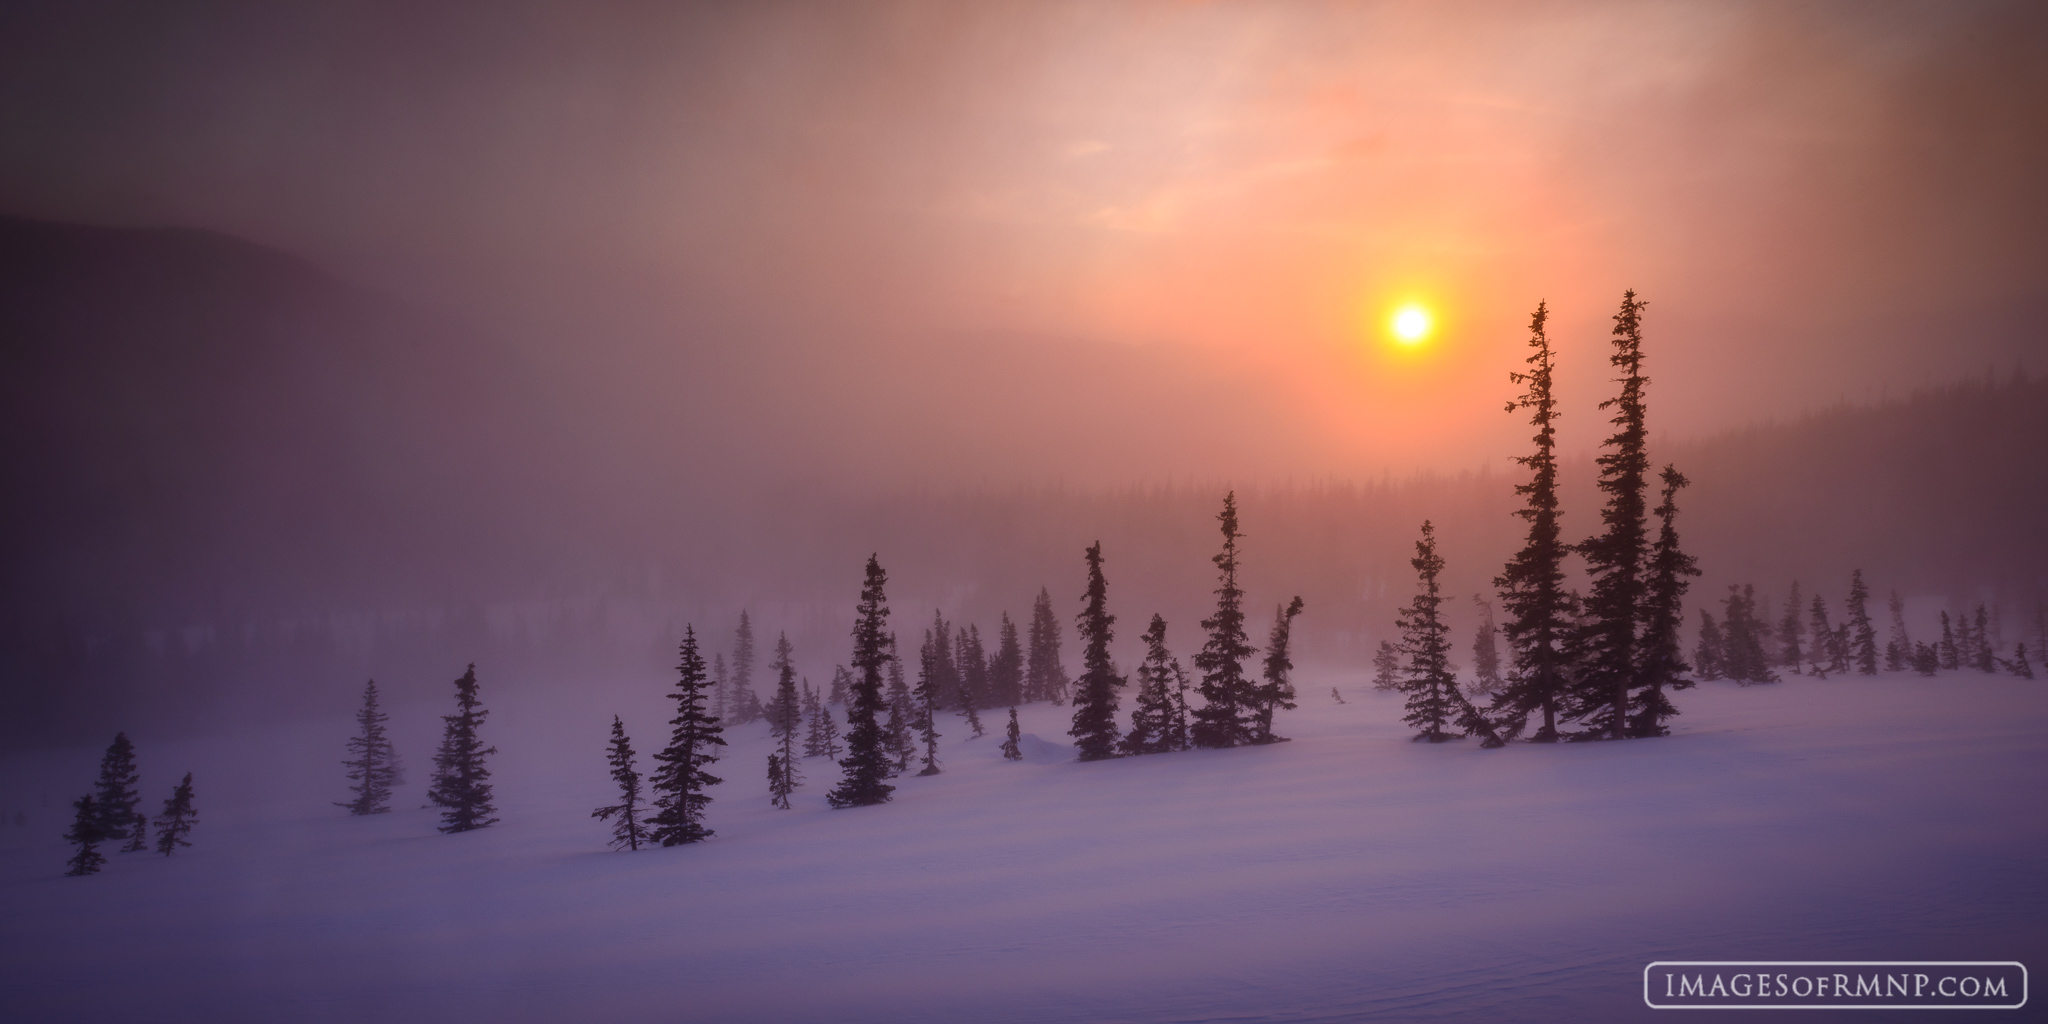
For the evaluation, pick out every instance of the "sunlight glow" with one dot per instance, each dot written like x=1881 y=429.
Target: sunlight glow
x=1411 y=324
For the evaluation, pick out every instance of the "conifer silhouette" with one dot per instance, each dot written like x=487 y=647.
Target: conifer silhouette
x=1275 y=691
x=85 y=832
x=1012 y=752
x=1095 y=693
x=1224 y=719
x=372 y=762
x=1540 y=613
x=116 y=793
x=1044 y=677
x=630 y=831
x=1862 y=635
x=1661 y=655
x=461 y=782
x=679 y=784
x=177 y=819
x=1606 y=646
x=867 y=764
x=1425 y=641
x=1152 y=718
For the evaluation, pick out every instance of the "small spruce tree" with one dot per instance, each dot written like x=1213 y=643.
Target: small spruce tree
x=1823 y=656
x=1044 y=677
x=1013 y=752
x=1095 y=693
x=1898 y=647
x=680 y=782
x=177 y=819
x=1425 y=641
x=117 y=792
x=2019 y=666
x=1152 y=718
x=1708 y=655
x=931 y=677
x=1486 y=679
x=1275 y=691
x=1986 y=653
x=1792 y=632
x=630 y=831
x=1950 y=657
x=1660 y=650
x=86 y=833
x=372 y=762
x=461 y=782
x=1386 y=667
x=1006 y=669
x=899 y=734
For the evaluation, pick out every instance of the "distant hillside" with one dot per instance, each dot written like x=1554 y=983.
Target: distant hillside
x=228 y=473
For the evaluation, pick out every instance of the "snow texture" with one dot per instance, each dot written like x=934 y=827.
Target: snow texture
x=1346 y=875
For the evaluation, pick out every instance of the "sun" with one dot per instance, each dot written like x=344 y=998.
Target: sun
x=1411 y=324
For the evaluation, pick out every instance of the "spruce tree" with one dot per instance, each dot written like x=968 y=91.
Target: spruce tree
x=814 y=716
x=743 y=657
x=1743 y=655
x=86 y=832
x=117 y=792
x=1540 y=612
x=1425 y=641
x=1899 y=645
x=461 y=782
x=680 y=782
x=867 y=763
x=1926 y=660
x=1862 y=635
x=967 y=712
x=1386 y=667
x=1792 y=631
x=842 y=687
x=1044 y=677
x=931 y=680
x=824 y=735
x=724 y=700
x=788 y=711
x=177 y=819
x=1180 y=732
x=970 y=660
x=1006 y=669
x=1224 y=720
x=1095 y=693
x=1662 y=658
x=1950 y=658
x=1275 y=691
x=372 y=763
x=1486 y=679
x=1152 y=718
x=630 y=832
x=1711 y=651
x=1606 y=648
x=2019 y=666
x=785 y=709
x=1013 y=752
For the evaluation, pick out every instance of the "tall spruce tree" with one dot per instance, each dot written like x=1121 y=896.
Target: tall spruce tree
x=1006 y=669
x=630 y=831
x=931 y=682
x=867 y=763
x=177 y=819
x=1152 y=718
x=1095 y=693
x=1426 y=643
x=86 y=832
x=117 y=792
x=970 y=660
x=1044 y=677
x=1606 y=648
x=1660 y=651
x=785 y=778
x=372 y=762
x=1792 y=632
x=1486 y=679
x=1540 y=611
x=461 y=782
x=1822 y=653
x=1275 y=691
x=1224 y=719
x=679 y=784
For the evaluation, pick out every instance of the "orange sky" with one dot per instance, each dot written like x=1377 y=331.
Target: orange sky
x=1819 y=201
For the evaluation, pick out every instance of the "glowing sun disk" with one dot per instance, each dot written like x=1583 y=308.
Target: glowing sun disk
x=1411 y=324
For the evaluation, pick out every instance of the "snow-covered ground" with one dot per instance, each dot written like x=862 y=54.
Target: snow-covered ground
x=1346 y=875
